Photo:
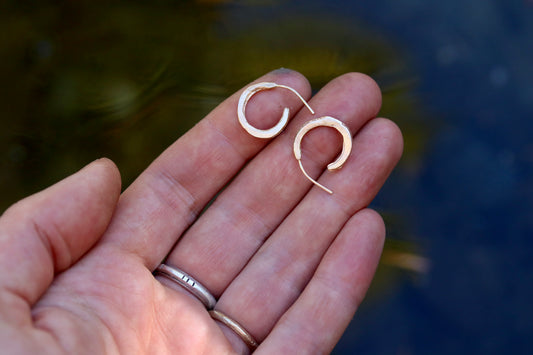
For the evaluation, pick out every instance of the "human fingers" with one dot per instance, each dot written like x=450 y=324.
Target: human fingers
x=280 y=270
x=316 y=321
x=168 y=196
x=221 y=242
x=47 y=232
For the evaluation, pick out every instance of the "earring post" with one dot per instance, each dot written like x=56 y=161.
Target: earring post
x=313 y=180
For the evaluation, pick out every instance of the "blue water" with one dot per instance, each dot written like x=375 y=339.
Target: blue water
x=471 y=203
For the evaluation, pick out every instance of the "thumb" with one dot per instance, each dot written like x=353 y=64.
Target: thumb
x=48 y=232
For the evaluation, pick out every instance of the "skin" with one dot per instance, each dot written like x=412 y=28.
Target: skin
x=286 y=260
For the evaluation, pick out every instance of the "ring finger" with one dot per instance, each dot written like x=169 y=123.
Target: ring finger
x=283 y=266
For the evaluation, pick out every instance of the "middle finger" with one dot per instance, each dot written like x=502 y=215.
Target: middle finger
x=227 y=235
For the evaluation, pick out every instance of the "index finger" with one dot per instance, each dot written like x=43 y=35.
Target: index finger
x=168 y=196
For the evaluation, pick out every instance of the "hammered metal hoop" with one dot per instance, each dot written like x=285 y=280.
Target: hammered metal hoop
x=325 y=121
x=247 y=95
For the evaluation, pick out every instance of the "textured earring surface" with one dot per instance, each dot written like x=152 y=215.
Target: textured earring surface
x=264 y=133
x=325 y=121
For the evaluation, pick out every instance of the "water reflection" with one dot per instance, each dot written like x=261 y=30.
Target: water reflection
x=124 y=81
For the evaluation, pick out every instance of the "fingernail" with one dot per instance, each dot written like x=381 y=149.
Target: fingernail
x=282 y=71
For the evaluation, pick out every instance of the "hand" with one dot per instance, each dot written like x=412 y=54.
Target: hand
x=286 y=260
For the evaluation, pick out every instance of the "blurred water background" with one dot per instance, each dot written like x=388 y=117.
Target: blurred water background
x=81 y=80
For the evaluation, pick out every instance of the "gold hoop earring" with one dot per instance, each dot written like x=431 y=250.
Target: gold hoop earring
x=271 y=132
x=325 y=121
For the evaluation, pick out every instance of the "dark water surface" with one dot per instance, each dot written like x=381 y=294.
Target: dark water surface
x=83 y=80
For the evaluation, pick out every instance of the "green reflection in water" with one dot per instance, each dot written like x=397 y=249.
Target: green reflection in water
x=85 y=80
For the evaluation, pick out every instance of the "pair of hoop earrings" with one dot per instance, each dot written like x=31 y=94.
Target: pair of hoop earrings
x=324 y=121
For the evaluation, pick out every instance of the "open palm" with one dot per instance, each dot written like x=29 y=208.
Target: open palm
x=286 y=260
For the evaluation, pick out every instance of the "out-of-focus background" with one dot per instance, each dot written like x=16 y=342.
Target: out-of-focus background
x=83 y=79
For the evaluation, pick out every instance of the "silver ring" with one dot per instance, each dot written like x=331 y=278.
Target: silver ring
x=187 y=282
x=238 y=329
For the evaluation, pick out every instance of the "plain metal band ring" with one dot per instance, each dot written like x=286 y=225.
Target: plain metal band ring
x=236 y=327
x=187 y=282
